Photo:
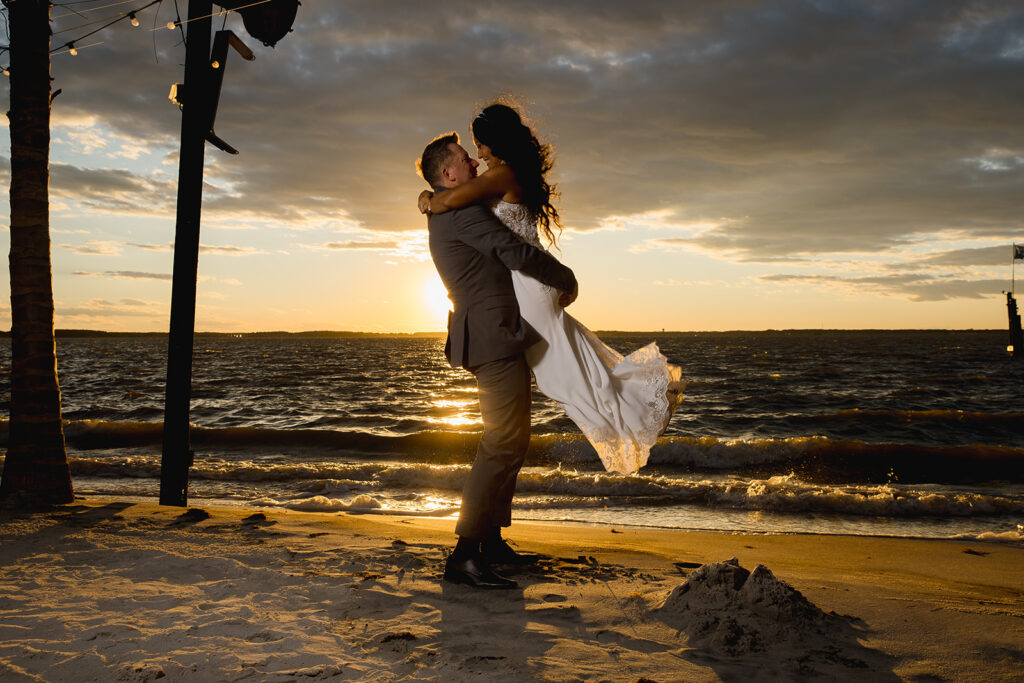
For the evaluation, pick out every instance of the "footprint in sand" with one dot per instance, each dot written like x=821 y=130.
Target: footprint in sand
x=192 y=516
x=258 y=519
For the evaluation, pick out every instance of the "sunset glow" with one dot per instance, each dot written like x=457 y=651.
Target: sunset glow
x=737 y=189
x=435 y=298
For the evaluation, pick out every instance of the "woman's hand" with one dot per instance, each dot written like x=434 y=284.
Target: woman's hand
x=424 y=201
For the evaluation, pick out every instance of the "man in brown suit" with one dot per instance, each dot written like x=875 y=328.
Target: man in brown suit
x=474 y=254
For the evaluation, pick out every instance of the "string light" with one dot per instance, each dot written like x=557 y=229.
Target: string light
x=7 y=71
x=171 y=25
x=71 y=43
x=100 y=21
x=73 y=49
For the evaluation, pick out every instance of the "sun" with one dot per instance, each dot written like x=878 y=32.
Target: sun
x=435 y=300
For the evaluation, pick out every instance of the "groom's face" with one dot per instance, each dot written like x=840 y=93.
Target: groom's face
x=461 y=168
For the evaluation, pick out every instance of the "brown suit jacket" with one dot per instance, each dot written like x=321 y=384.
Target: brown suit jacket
x=474 y=254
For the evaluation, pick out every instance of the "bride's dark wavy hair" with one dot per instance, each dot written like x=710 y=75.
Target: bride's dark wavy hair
x=501 y=128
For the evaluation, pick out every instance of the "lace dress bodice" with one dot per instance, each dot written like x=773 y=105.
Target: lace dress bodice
x=518 y=219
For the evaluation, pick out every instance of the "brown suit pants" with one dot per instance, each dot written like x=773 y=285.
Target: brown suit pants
x=504 y=391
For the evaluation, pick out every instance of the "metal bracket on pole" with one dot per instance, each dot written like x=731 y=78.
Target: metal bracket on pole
x=218 y=62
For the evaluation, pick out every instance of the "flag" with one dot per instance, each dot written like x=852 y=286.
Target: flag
x=1018 y=251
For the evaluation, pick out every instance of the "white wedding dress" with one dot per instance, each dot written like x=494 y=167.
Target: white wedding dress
x=621 y=404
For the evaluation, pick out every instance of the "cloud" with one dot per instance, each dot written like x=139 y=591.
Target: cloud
x=101 y=308
x=223 y=249
x=151 y=247
x=130 y=274
x=94 y=247
x=356 y=246
x=118 y=191
x=228 y=249
x=813 y=128
x=402 y=246
x=914 y=287
x=868 y=147
x=976 y=256
x=691 y=283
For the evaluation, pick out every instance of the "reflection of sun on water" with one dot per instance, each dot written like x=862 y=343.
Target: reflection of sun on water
x=435 y=299
x=453 y=412
x=453 y=421
x=451 y=403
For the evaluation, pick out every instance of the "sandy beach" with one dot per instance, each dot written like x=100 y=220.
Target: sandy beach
x=101 y=590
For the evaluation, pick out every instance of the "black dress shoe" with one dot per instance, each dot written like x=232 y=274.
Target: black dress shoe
x=500 y=552
x=474 y=571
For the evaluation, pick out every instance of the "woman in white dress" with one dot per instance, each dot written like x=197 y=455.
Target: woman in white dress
x=621 y=404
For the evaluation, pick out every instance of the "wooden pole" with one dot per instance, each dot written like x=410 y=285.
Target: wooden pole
x=177 y=451
x=1016 y=335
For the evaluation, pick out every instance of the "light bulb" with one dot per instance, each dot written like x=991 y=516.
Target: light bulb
x=215 y=64
x=170 y=25
x=7 y=72
x=133 y=19
x=72 y=49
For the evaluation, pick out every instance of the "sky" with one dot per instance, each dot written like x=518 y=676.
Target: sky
x=726 y=165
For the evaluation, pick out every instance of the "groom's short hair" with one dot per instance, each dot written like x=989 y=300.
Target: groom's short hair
x=435 y=157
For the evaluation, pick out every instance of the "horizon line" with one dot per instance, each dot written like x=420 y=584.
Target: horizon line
x=439 y=333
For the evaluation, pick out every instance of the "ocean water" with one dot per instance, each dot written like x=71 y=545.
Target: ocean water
x=909 y=433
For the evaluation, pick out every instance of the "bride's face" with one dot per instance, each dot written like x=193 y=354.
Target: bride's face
x=484 y=152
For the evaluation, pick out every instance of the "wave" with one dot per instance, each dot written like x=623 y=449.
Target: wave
x=284 y=454
x=326 y=485
x=786 y=494
x=993 y=536
x=1011 y=419
x=940 y=420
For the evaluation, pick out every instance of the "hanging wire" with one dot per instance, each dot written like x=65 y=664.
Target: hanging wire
x=122 y=17
x=94 y=9
x=119 y=17
x=71 y=46
x=179 y=22
x=73 y=2
x=6 y=69
x=76 y=12
x=156 y=18
x=73 y=49
x=7 y=25
x=81 y=26
x=176 y=24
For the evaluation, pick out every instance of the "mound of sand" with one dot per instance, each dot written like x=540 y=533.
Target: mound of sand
x=726 y=609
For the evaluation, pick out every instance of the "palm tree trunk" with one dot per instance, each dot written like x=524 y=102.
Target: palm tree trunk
x=36 y=466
